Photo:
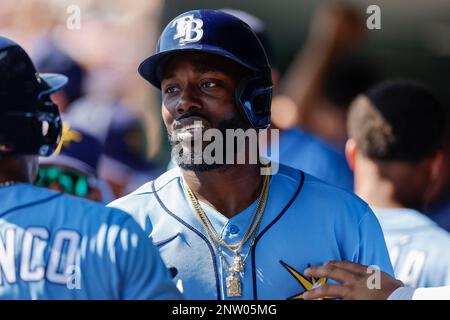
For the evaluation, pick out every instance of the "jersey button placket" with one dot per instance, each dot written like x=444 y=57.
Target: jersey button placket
x=233 y=229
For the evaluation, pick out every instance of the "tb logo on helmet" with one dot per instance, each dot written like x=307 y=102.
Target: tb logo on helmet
x=188 y=26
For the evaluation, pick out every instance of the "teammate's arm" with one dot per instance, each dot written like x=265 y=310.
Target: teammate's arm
x=333 y=30
x=355 y=282
x=143 y=273
x=354 y=277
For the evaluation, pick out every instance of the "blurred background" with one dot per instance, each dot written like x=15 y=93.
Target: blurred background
x=414 y=40
x=106 y=98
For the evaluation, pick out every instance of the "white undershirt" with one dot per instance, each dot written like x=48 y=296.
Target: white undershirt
x=407 y=293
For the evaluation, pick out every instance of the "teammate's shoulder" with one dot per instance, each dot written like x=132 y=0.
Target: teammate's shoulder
x=438 y=234
x=89 y=208
x=436 y=240
x=72 y=209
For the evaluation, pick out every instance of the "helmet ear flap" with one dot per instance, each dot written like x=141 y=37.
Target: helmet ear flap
x=35 y=132
x=50 y=126
x=255 y=98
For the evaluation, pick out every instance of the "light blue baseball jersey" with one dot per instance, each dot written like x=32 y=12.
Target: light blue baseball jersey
x=418 y=247
x=54 y=246
x=304 y=151
x=306 y=222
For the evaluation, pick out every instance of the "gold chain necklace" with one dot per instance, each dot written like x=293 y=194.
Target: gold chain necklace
x=252 y=226
x=233 y=281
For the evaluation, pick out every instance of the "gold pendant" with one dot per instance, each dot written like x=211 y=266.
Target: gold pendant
x=238 y=264
x=234 y=288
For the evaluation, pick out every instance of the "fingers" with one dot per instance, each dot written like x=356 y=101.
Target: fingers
x=331 y=271
x=326 y=291
x=354 y=282
x=349 y=266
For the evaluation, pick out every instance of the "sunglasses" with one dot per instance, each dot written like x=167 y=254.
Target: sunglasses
x=66 y=180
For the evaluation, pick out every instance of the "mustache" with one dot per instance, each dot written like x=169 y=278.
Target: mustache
x=190 y=118
x=190 y=114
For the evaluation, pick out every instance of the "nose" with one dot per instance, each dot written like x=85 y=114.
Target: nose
x=189 y=100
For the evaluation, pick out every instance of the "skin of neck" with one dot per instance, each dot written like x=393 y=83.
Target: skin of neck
x=19 y=169
x=229 y=189
x=391 y=184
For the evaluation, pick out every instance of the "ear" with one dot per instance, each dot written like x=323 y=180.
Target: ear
x=350 y=153
x=437 y=177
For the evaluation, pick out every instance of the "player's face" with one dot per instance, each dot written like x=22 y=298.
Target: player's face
x=199 y=86
x=198 y=91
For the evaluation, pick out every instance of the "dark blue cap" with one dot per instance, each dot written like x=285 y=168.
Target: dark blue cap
x=209 y=31
x=222 y=34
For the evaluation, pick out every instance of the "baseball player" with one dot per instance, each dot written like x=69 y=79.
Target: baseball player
x=396 y=166
x=53 y=246
x=228 y=230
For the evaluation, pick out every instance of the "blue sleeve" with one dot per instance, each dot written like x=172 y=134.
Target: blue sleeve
x=372 y=246
x=144 y=275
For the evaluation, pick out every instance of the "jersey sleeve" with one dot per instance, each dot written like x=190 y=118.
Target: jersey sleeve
x=144 y=275
x=372 y=245
x=439 y=293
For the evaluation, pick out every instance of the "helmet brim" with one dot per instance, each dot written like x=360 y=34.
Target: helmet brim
x=53 y=82
x=148 y=69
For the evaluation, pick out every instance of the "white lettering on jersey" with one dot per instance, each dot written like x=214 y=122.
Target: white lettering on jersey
x=411 y=268
x=394 y=250
x=7 y=256
x=56 y=273
x=61 y=265
x=26 y=272
x=188 y=26
x=393 y=254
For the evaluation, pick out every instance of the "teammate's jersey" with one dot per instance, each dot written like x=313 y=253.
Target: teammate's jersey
x=306 y=222
x=54 y=246
x=409 y=293
x=439 y=293
x=301 y=150
x=417 y=246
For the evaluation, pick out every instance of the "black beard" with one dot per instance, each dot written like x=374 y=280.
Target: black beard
x=191 y=165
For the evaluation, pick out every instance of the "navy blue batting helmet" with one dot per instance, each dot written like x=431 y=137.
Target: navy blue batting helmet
x=29 y=121
x=222 y=34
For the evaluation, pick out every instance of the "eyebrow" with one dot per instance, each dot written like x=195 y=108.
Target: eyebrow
x=204 y=69
x=200 y=70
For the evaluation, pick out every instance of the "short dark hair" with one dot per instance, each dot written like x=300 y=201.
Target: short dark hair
x=399 y=120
